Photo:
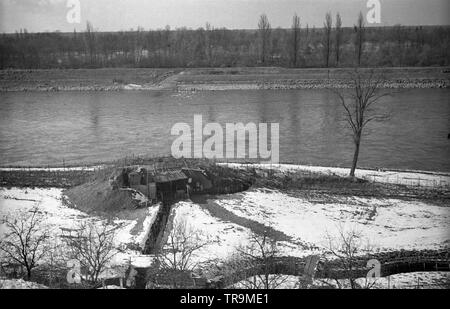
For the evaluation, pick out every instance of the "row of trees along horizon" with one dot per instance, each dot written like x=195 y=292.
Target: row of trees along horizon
x=330 y=46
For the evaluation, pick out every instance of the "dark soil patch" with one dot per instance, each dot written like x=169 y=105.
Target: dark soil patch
x=219 y=212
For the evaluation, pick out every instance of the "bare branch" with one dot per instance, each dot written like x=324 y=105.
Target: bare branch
x=24 y=240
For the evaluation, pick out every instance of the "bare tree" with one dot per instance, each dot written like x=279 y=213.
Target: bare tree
x=295 y=39
x=25 y=240
x=361 y=106
x=90 y=42
x=93 y=247
x=359 y=38
x=264 y=32
x=327 y=39
x=138 y=46
x=338 y=37
x=258 y=261
x=209 y=43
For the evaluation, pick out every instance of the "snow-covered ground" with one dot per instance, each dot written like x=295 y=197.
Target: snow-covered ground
x=414 y=280
x=384 y=223
x=19 y=284
x=222 y=238
x=409 y=178
x=275 y=282
x=15 y=202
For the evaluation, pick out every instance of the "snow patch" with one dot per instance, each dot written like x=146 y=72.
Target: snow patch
x=385 y=223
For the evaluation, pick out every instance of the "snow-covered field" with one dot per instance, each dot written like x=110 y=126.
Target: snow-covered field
x=19 y=284
x=15 y=202
x=414 y=280
x=384 y=223
x=409 y=178
x=223 y=238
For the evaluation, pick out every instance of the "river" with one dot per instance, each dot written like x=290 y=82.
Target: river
x=39 y=128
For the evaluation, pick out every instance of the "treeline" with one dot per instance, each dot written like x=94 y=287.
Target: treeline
x=299 y=46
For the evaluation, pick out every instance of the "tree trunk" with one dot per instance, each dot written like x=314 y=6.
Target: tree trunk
x=355 y=156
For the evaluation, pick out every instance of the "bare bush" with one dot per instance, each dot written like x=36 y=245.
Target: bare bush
x=257 y=262
x=182 y=243
x=93 y=247
x=175 y=262
x=345 y=248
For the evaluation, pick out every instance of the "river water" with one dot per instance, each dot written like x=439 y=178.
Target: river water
x=38 y=128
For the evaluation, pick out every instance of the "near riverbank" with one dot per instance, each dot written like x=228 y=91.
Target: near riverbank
x=405 y=225
x=212 y=79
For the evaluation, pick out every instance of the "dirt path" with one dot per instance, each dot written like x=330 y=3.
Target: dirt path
x=219 y=212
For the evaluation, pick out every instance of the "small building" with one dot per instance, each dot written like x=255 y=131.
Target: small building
x=171 y=185
x=197 y=179
x=134 y=179
x=155 y=185
x=141 y=181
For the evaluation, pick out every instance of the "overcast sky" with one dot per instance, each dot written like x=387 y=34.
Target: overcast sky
x=112 y=15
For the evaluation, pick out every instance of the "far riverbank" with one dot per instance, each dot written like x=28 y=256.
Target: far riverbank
x=212 y=79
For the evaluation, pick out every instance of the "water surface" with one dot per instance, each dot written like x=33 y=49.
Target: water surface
x=46 y=128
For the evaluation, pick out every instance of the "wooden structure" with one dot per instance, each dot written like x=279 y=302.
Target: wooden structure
x=171 y=185
x=198 y=180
